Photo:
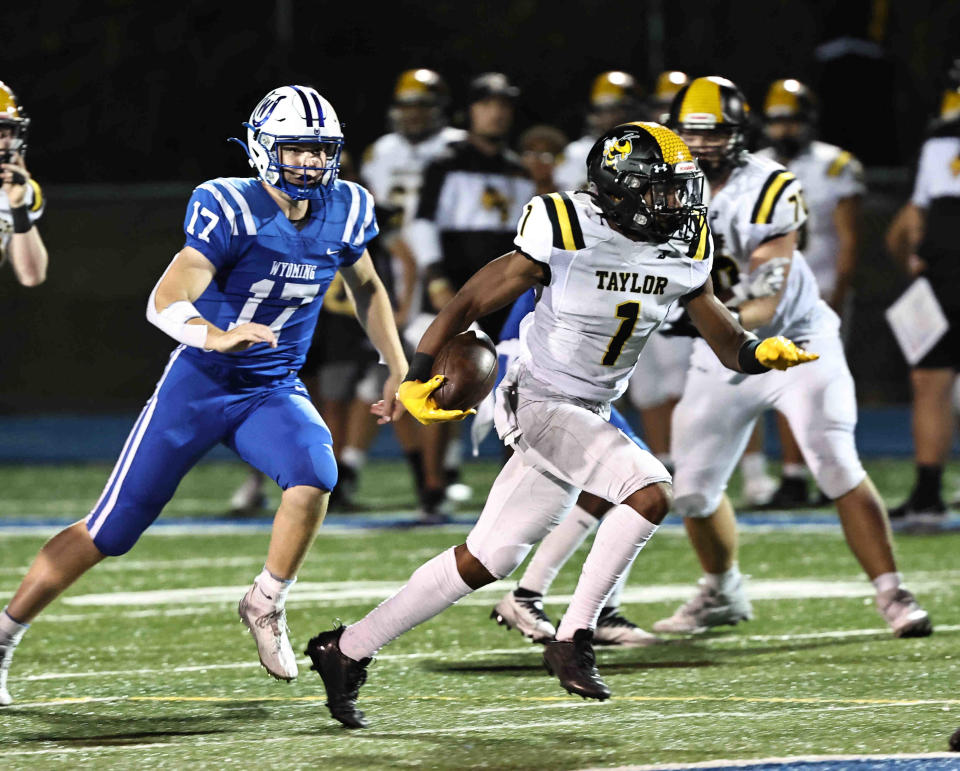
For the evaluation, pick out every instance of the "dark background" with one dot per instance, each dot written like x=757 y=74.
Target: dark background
x=132 y=103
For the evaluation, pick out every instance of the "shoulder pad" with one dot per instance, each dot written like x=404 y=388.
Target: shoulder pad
x=770 y=193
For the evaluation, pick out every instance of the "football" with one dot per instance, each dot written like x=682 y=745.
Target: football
x=469 y=364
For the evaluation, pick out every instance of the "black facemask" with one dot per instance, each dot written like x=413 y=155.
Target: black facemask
x=788 y=147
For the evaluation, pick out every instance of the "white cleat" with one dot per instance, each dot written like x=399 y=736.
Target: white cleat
x=526 y=615
x=248 y=498
x=614 y=629
x=759 y=490
x=268 y=625
x=6 y=657
x=903 y=613
x=707 y=609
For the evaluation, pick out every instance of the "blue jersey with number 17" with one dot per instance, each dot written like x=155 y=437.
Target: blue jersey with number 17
x=269 y=270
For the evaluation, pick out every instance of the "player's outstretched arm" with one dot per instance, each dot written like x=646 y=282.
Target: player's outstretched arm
x=736 y=348
x=491 y=288
x=170 y=308
x=375 y=313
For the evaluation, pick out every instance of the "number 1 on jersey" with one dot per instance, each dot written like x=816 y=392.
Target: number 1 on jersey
x=629 y=312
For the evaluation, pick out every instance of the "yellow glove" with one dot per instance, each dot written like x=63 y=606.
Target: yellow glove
x=781 y=353
x=416 y=398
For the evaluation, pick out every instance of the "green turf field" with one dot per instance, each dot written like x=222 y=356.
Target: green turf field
x=145 y=664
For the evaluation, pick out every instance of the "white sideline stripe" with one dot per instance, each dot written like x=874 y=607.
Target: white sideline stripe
x=785 y=761
x=529 y=648
x=335 y=591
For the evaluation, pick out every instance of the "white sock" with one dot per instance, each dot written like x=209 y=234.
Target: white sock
x=11 y=630
x=753 y=465
x=271 y=589
x=613 y=601
x=619 y=539
x=554 y=550
x=794 y=471
x=433 y=587
x=886 y=582
x=353 y=457
x=721 y=582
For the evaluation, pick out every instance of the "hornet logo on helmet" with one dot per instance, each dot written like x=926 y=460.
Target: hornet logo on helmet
x=616 y=150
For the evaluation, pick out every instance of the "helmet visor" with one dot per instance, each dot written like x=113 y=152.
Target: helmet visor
x=667 y=204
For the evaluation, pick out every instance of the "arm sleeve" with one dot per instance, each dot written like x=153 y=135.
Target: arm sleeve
x=361 y=227
x=535 y=232
x=209 y=224
x=921 y=190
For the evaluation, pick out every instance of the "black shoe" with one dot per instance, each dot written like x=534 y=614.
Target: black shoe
x=791 y=494
x=341 y=675
x=919 y=519
x=575 y=665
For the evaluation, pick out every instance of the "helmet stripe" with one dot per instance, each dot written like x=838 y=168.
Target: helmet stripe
x=769 y=194
x=306 y=105
x=316 y=101
x=672 y=147
x=703 y=97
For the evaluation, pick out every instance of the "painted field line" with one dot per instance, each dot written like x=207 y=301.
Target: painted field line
x=784 y=761
x=527 y=650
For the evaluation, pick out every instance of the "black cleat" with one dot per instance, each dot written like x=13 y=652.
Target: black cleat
x=341 y=675
x=575 y=665
x=791 y=494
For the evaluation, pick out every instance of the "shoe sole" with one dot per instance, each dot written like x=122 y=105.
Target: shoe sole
x=574 y=692
x=502 y=621
x=274 y=675
x=922 y=628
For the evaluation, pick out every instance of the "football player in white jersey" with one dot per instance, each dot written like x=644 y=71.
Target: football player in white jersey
x=832 y=182
x=614 y=99
x=609 y=265
x=21 y=200
x=756 y=210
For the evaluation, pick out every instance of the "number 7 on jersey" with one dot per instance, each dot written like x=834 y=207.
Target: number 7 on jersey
x=629 y=312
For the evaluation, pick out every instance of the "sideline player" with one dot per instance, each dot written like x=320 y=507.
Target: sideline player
x=239 y=298
x=21 y=200
x=832 y=181
x=756 y=210
x=610 y=263
x=926 y=229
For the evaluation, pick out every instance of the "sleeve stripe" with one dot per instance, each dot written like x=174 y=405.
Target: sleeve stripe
x=769 y=195
x=37 y=195
x=551 y=209
x=563 y=237
x=248 y=222
x=574 y=222
x=228 y=211
x=354 y=211
x=703 y=242
x=839 y=163
x=367 y=219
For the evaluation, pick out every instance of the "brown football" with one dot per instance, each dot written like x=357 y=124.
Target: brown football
x=469 y=364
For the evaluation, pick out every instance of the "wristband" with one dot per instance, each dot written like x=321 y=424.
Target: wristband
x=420 y=367
x=173 y=320
x=747 y=358
x=21 y=219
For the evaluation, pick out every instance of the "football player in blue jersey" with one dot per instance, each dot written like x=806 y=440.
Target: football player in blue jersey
x=241 y=298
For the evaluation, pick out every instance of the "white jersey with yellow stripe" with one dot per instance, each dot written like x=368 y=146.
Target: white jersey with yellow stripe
x=606 y=295
x=828 y=174
x=35 y=201
x=761 y=200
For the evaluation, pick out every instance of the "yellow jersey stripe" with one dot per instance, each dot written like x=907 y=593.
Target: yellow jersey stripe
x=703 y=240
x=839 y=163
x=703 y=96
x=563 y=218
x=769 y=194
x=37 y=195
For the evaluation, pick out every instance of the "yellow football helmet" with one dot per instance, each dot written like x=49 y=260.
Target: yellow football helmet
x=668 y=83
x=13 y=116
x=614 y=99
x=419 y=101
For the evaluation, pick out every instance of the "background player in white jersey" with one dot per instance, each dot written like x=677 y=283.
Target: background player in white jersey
x=609 y=264
x=239 y=297
x=832 y=182
x=756 y=210
x=21 y=200
x=925 y=235
x=614 y=99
